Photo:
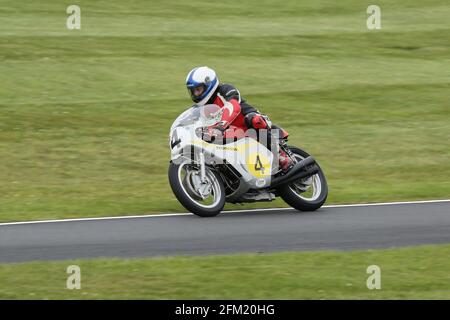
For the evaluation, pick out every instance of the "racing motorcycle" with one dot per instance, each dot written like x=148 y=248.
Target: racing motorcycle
x=205 y=171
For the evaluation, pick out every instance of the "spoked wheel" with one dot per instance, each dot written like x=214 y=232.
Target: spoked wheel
x=203 y=198
x=307 y=194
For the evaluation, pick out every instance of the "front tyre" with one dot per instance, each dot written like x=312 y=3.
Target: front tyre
x=205 y=199
x=307 y=194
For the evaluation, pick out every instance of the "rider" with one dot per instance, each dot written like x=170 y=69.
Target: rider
x=204 y=87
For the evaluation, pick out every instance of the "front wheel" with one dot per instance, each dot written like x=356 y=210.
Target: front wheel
x=203 y=198
x=307 y=194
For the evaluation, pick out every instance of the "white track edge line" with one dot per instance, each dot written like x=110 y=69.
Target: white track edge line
x=230 y=211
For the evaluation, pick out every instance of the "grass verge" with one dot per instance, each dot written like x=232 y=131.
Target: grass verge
x=85 y=114
x=421 y=272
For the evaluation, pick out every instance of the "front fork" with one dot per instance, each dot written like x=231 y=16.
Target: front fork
x=202 y=167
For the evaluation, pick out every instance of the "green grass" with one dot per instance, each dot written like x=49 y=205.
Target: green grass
x=409 y=273
x=84 y=114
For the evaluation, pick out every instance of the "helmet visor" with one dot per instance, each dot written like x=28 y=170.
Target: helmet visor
x=197 y=92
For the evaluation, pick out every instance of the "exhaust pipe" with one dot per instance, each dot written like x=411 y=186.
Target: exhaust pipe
x=299 y=171
x=304 y=174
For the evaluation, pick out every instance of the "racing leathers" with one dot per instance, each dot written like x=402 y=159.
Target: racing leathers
x=238 y=113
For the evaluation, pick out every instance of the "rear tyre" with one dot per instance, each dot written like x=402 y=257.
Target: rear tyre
x=306 y=194
x=203 y=199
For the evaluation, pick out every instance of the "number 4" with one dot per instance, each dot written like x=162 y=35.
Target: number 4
x=258 y=165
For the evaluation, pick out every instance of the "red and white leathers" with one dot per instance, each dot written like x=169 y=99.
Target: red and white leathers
x=237 y=111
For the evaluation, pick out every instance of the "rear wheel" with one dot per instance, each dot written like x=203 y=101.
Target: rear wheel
x=203 y=198
x=307 y=194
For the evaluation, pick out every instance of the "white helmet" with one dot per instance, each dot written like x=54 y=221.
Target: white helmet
x=202 y=77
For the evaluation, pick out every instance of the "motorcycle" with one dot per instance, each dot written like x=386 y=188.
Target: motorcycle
x=206 y=171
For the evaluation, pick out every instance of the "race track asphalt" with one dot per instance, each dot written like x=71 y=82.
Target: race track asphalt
x=331 y=228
